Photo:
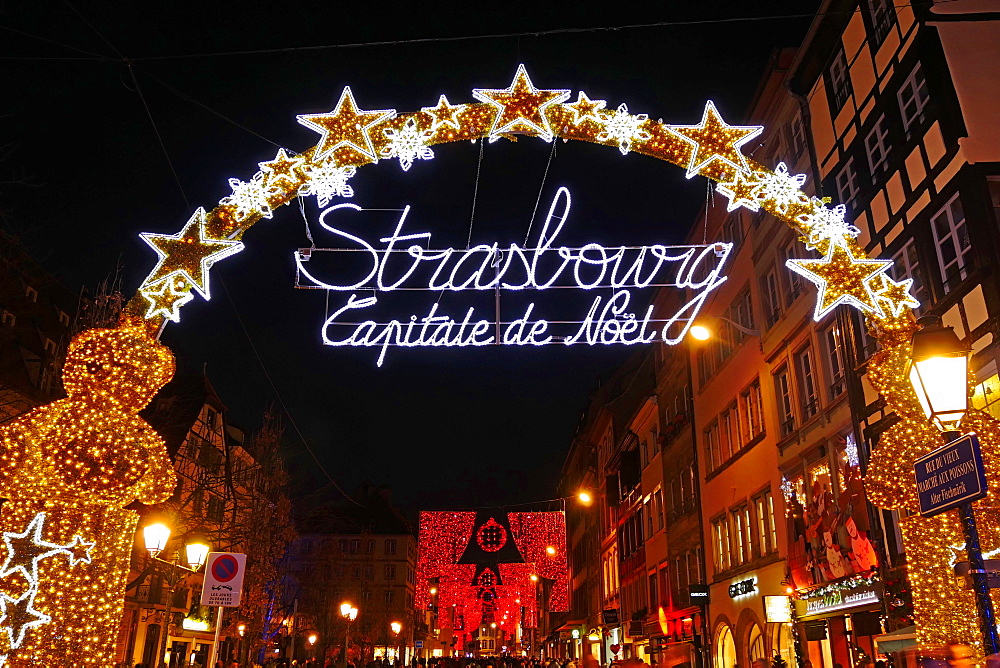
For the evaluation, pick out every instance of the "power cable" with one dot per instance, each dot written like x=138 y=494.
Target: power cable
x=159 y=138
x=94 y=56
x=277 y=394
x=541 y=187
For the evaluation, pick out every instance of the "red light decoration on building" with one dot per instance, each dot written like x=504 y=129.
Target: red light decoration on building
x=463 y=588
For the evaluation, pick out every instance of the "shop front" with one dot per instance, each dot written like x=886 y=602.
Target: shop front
x=739 y=630
x=838 y=622
x=682 y=636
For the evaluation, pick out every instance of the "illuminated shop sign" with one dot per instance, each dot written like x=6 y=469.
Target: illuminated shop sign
x=777 y=609
x=743 y=588
x=841 y=598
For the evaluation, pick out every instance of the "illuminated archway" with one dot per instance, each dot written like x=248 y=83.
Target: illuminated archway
x=724 y=655
x=56 y=611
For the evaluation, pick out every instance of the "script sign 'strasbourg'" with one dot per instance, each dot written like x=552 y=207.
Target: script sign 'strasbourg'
x=950 y=476
x=405 y=261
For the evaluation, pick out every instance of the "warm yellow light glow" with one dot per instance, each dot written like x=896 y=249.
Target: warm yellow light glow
x=700 y=332
x=345 y=609
x=194 y=624
x=534 y=578
x=594 y=636
x=197 y=552
x=585 y=498
x=396 y=627
x=493 y=625
x=433 y=590
x=942 y=387
x=313 y=639
x=551 y=551
x=155 y=537
x=242 y=628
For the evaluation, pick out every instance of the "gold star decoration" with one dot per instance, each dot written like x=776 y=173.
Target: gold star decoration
x=167 y=297
x=25 y=550
x=282 y=168
x=585 y=109
x=520 y=107
x=345 y=126
x=841 y=278
x=189 y=253
x=714 y=139
x=20 y=615
x=895 y=296
x=743 y=190
x=444 y=113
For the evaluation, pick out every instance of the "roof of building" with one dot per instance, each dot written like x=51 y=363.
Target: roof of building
x=370 y=511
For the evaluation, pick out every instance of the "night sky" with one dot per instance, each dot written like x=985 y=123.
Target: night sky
x=443 y=427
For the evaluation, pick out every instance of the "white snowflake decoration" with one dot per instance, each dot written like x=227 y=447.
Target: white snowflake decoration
x=827 y=224
x=327 y=181
x=409 y=143
x=623 y=128
x=782 y=188
x=249 y=198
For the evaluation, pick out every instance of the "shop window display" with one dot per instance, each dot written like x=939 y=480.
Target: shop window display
x=828 y=520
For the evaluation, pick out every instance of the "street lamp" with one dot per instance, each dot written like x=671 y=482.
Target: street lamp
x=585 y=498
x=396 y=627
x=155 y=537
x=939 y=373
x=702 y=332
x=350 y=613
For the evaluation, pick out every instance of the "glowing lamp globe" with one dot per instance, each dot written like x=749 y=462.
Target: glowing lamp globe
x=155 y=536
x=197 y=551
x=396 y=627
x=585 y=498
x=939 y=373
x=345 y=609
x=700 y=332
x=313 y=639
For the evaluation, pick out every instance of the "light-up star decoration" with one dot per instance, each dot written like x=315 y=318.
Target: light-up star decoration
x=520 y=107
x=25 y=550
x=189 y=253
x=715 y=140
x=842 y=278
x=444 y=113
x=894 y=296
x=743 y=190
x=345 y=126
x=284 y=169
x=166 y=297
x=585 y=109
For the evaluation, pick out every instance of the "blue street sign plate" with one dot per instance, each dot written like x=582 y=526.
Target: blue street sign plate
x=950 y=476
x=418 y=643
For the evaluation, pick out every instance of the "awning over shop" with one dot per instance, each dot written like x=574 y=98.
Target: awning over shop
x=570 y=625
x=898 y=640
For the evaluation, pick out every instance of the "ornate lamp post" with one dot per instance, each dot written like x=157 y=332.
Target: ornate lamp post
x=396 y=628
x=350 y=613
x=155 y=537
x=939 y=373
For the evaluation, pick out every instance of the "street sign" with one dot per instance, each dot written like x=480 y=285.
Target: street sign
x=950 y=476
x=418 y=644
x=610 y=617
x=224 y=579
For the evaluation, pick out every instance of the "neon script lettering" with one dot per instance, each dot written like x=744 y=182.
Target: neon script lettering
x=406 y=262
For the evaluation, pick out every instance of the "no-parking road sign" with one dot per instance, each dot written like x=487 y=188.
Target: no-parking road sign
x=224 y=579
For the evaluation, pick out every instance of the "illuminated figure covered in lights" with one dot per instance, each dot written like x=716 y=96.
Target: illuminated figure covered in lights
x=944 y=610
x=68 y=469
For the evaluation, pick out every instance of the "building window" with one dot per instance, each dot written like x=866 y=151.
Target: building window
x=653 y=600
x=838 y=82
x=951 y=237
x=767 y=537
x=390 y=546
x=833 y=342
x=355 y=546
x=806 y=369
x=741 y=535
x=732 y=230
x=390 y=572
x=847 y=182
x=797 y=136
x=64 y=318
x=877 y=145
x=7 y=319
x=913 y=97
x=741 y=311
x=658 y=501
x=750 y=406
x=906 y=264
x=793 y=283
x=883 y=16
x=370 y=547
x=388 y=597
x=712 y=447
x=720 y=545
x=215 y=508
x=772 y=297
x=783 y=394
x=727 y=446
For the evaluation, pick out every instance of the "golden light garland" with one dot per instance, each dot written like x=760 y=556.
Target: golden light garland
x=79 y=461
